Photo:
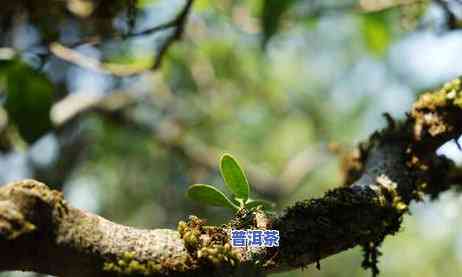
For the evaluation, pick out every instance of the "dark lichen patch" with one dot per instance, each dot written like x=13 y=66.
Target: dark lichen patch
x=434 y=180
x=387 y=196
x=358 y=162
x=371 y=254
x=343 y=218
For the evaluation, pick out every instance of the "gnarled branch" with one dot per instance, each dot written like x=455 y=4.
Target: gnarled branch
x=40 y=232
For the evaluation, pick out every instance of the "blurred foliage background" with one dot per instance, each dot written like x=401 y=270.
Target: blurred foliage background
x=286 y=86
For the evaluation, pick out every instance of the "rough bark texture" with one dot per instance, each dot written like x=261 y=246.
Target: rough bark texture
x=40 y=232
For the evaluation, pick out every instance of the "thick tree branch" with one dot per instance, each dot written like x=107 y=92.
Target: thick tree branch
x=397 y=165
x=40 y=232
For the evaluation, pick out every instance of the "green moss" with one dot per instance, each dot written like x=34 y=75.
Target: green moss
x=218 y=255
x=387 y=194
x=128 y=265
x=430 y=112
x=207 y=244
x=450 y=93
x=458 y=101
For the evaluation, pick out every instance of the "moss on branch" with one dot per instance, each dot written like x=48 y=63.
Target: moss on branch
x=395 y=166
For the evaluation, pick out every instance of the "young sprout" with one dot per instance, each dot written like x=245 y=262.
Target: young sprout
x=235 y=181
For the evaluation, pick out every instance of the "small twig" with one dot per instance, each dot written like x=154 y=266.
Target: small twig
x=67 y=53
x=456 y=140
x=131 y=14
x=175 y=22
x=180 y=25
x=451 y=17
x=77 y=58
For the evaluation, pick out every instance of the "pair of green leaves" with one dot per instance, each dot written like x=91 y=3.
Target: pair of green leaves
x=235 y=181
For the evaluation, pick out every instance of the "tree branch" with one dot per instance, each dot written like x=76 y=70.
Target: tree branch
x=40 y=232
x=66 y=52
x=451 y=18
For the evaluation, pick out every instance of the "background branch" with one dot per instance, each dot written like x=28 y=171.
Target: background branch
x=66 y=52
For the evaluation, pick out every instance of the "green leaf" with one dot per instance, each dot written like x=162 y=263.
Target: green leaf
x=210 y=195
x=267 y=205
x=376 y=32
x=272 y=12
x=29 y=98
x=234 y=177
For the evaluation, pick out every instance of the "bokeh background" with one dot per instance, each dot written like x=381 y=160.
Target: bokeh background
x=287 y=87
